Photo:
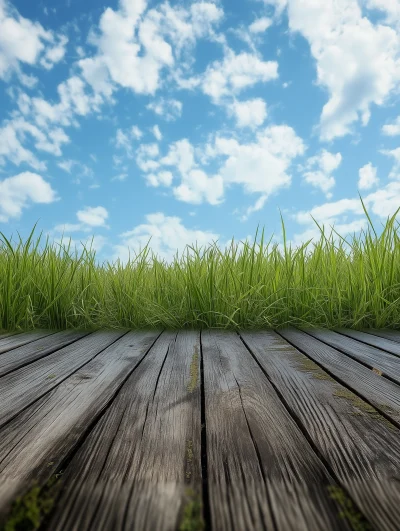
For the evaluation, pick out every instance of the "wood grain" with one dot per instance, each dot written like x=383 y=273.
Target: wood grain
x=137 y=468
x=382 y=343
x=22 y=387
x=259 y=462
x=386 y=333
x=360 y=446
x=34 y=443
x=381 y=393
x=374 y=358
x=17 y=340
x=28 y=353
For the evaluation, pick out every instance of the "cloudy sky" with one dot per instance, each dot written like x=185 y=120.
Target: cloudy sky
x=197 y=121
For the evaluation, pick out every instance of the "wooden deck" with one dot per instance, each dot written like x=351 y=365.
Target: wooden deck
x=189 y=430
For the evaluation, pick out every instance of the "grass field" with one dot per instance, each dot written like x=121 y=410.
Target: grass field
x=255 y=290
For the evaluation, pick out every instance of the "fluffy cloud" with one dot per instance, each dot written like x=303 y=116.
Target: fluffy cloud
x=392 y=129
x=235 y=73
x=357 y=61
x=260 y=25
x=13 y=135
x=17 y=191
x=367 y=177
x=169 y=110
x=133 y=48
x=23 y=41
x=250 y=113
x=321 y=178
x=93 y=216
x=156 y=132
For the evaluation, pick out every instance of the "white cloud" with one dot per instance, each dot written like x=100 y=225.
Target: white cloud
x=93 y=216
x=132 y=49
x=136 y=132
x=156 y=132
x=357 y=61
x=392 y=129
x=181 y=155
x=12 y=149
x=168 y=237
x=24 y=41
x=250 y=113
x=146 y=152
x=17 y=191
x=124 y=140
x=168 y=109
x=260 y=166
x=321 y=178
x=390 y=7
x=55 y=54
x=395 y=153
x=236 y=72
x=161 y=178
x=367 y=177
x=260 y=25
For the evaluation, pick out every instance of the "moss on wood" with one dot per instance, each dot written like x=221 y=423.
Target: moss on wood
x=356 y=520
x=27 y=511
x=192 y=517
x=194 y=371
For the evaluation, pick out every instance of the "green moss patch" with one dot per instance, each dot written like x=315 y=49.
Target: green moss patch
x=194 y=371
x=307 y=365
x=189 y=458
x=363 y=406
x=27 y=511
x=355 y=518
x=192 y=517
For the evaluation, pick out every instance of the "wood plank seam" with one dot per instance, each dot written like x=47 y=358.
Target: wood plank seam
x=47 y=352
x=203 y=446
x=341 y=382
x=304 y=431
x=257 y=450
x=62 y=466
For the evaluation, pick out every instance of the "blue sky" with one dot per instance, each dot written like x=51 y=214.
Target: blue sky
x=197 y=121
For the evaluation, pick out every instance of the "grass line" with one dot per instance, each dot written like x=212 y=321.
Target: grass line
x=254 y=289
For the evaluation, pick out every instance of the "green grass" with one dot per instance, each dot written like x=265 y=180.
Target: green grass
x=256 y=289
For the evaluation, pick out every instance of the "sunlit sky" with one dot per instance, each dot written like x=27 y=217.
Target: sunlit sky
x=196 y=122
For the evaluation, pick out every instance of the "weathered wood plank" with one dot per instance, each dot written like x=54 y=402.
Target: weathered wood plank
x=17 y=340
x=18 y=357
x=8 y=334
x=337 y=422
x=383 y=343
x=46 y=432
x=138 y=466
x=376 y=359
x=380 y=392
x=387 y=333
x=262 y=471
x=22 y=387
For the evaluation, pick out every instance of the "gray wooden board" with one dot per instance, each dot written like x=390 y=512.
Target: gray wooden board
x=34 y=443
x=135 y=468
x=22 y=387
x=262 y=471
x=387 y=333
x=383 y=394
x=361 y=447
x=18 y=340
x=383 y=343
x=28 y=353
x=8 y=334
x=375 y=358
